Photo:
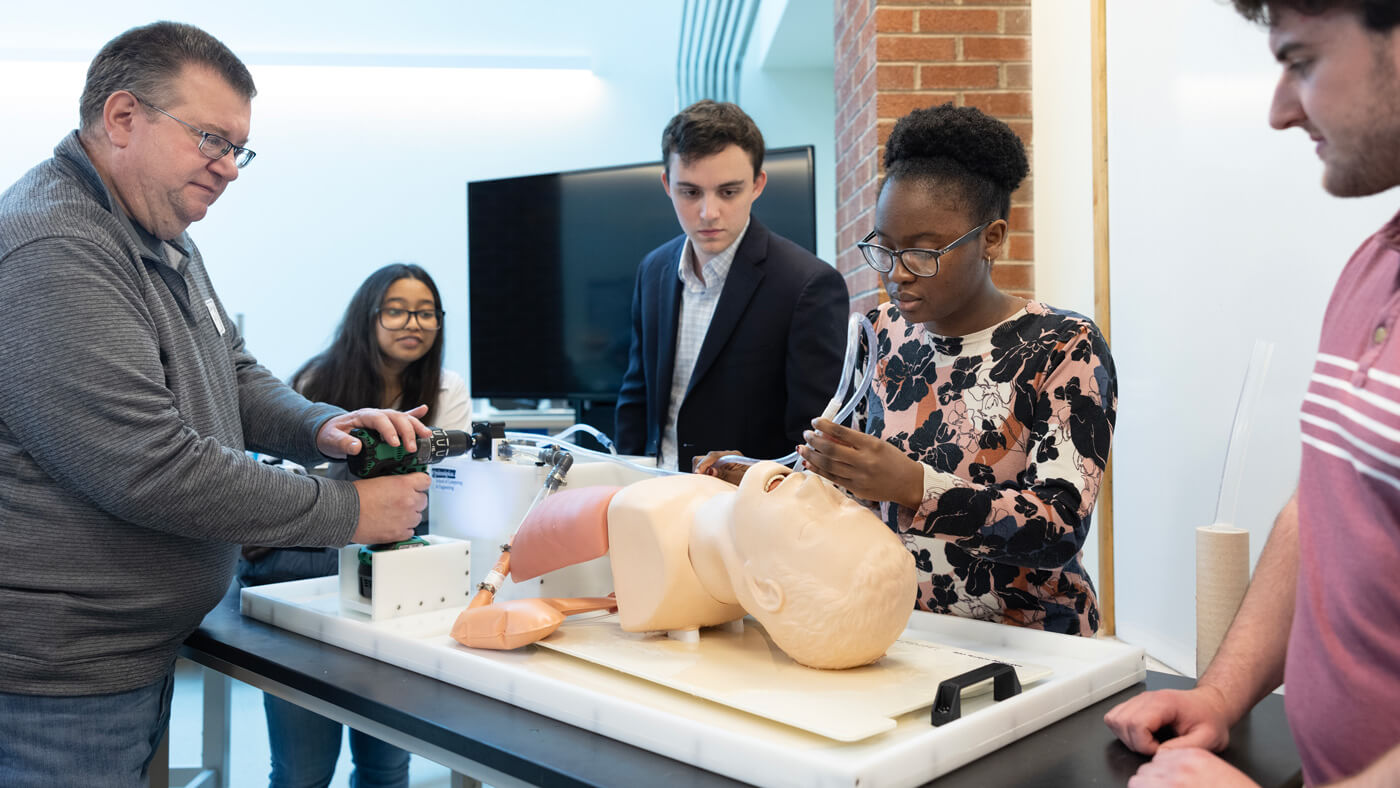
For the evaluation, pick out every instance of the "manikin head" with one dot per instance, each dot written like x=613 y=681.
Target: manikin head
x=829 y=582
x=165 y=115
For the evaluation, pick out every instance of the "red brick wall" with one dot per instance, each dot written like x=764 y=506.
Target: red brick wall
x=893 y=56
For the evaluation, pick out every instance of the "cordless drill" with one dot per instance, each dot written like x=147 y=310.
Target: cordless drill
x=378 y=458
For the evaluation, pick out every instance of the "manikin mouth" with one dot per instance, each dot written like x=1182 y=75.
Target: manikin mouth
x=778 y=480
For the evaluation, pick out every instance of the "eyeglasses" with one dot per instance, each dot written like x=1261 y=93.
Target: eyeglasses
x=211 y=145
x=919 y=262
x=394 y=318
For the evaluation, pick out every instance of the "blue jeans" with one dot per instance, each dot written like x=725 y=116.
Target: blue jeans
x=107 y=740
x=305 y=746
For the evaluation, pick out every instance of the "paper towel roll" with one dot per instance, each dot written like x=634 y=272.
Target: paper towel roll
x=1222 y=575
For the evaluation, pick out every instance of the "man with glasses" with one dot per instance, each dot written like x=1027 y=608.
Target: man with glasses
x=737 y=333
x=127 y=402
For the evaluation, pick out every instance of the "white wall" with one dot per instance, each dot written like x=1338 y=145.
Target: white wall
x=1220 y=235
x=788 y=87
x=1061 y=148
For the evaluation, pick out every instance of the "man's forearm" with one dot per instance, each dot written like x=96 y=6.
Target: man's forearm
x=1249 y=664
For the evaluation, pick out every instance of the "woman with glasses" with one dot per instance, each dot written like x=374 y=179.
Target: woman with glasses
x=988 y=425
x=388 y=349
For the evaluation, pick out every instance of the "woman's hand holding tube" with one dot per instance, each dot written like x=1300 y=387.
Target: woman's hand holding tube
x=866 y=466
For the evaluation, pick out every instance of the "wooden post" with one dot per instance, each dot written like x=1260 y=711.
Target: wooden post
x=1099 y=67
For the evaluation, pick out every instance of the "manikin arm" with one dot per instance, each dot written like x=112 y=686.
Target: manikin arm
x=567 y=528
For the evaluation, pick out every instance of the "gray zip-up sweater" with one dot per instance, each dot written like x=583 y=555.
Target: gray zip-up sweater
x=126 y=402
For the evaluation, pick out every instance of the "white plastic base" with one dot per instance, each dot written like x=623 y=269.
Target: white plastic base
x=712 y=736
x=409 y=581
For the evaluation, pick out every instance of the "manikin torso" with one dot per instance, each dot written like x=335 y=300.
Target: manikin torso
x=691 y=551
x=657 y=586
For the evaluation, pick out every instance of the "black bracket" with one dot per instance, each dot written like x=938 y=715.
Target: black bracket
x=483 y=433
x=947 y=706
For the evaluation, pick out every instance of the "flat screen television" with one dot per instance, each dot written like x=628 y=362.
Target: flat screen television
x=551 y=265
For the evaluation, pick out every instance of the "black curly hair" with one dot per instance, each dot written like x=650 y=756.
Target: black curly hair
x=1379 y=16
x=962 y=146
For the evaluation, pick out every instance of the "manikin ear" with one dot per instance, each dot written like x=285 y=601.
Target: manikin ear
x=766 y=593
x=118 y=116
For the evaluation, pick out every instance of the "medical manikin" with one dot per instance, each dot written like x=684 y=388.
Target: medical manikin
x=830 y=584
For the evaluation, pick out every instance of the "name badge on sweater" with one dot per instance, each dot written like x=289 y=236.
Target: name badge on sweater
x=214 y=313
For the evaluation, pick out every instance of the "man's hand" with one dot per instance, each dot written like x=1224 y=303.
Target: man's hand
x=1199 y=716
x=390 y=507
x=1188 y=767
x=727 y=465
x=866 y=466
x=394 y=426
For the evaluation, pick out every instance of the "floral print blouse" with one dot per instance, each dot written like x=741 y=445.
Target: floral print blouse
x=1013 y=425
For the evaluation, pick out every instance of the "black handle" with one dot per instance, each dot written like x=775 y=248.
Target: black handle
x=947 y=705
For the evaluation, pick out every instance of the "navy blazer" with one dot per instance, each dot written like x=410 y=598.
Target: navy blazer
x=770 y=361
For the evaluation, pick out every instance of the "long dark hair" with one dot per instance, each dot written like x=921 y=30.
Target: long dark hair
x=347 y=373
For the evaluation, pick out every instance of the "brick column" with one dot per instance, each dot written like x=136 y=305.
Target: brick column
x=893 y=56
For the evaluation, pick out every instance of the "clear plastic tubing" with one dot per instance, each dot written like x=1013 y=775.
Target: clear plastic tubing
x=589 y=429
x=840 y=408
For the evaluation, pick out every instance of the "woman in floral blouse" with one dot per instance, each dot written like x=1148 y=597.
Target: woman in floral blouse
x=988 y=425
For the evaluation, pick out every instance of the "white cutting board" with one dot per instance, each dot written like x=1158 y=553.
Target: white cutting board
x=746 y=671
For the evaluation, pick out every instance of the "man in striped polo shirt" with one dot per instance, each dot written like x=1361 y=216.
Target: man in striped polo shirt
x=1332 y=561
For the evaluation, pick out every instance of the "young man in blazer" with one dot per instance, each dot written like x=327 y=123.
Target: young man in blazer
x=737 y=333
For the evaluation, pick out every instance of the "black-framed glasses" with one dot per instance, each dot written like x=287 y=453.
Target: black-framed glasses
x=919 y=262
x=394 y=318
x=211 y=145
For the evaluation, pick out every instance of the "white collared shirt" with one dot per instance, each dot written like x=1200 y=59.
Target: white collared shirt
x=697 y=307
